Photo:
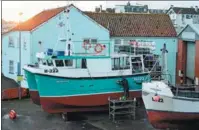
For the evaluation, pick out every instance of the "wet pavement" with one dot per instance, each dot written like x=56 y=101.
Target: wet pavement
x=32 y=117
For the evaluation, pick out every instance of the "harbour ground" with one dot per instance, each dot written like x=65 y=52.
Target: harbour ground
x=32 y=117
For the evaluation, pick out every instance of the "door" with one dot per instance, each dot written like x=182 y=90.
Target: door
x=190 y=65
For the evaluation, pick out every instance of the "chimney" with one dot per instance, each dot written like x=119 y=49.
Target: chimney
x=100 y=8
x=196 y=9
x=171 y=6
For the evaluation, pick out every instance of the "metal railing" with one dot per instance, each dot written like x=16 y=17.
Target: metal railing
x=186 y=91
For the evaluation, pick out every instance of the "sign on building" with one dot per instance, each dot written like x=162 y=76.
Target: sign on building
x=143 y=44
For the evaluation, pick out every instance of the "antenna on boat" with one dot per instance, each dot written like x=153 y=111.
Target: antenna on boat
x=68 y=50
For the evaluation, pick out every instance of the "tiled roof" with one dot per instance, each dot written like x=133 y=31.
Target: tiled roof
x=38 y=19
x=126 y=25
x=119 y=24
x=180 y=10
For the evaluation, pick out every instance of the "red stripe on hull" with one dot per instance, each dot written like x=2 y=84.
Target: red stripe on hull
x=34 y=95
x=80 y=103
x=163 y=119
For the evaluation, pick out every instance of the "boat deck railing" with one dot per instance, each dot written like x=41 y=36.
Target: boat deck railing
x=187 y=91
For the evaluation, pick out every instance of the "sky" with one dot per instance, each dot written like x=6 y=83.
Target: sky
x=11 y=9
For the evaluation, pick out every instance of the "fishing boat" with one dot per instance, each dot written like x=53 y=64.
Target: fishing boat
x=69 y=83
x=33 y=91
x=171 y=106
x=74 y=79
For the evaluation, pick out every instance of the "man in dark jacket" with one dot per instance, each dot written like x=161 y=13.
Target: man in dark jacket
x=125 y=85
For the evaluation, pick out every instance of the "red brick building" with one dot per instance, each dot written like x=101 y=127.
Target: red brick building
x=188 y=54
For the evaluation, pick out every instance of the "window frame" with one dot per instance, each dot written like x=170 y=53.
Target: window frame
x=120 y=66
x=11 y=66
x=71 y=65
x=24 y=44
x=90 y=40
x=11 y=41
x=48 y=63
x=60 y=62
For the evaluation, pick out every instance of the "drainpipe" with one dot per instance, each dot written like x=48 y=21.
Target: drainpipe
x=19 y=63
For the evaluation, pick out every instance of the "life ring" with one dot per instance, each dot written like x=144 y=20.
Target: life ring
x=86 y=45
x=100 y=46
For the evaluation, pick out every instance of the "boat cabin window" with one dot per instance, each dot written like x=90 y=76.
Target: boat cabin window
x=50 y=62
x=84 y=64
x=59 y=63
x=68 y=62
x=44 y=62
x=120 y=63
x=39 y=61
x=136 y=64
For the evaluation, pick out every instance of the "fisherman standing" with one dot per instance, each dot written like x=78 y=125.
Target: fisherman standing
x=125 y=85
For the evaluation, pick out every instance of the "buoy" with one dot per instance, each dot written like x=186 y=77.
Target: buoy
x=12 y=115
x=156 y=98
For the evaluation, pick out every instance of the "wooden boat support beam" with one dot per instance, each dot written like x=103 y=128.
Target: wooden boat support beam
x=122 y=107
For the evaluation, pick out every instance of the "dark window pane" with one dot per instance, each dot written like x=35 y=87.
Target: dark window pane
x=59 y=63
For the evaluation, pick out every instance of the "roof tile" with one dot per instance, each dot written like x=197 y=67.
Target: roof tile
x=121 y=24
x=38 y=19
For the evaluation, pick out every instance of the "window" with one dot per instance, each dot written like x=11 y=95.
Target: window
x=11 y=67
x=117 y=44
x=11 y=42
x=59 y=63
x=136 y=64
x=93 y=41
x=118 y=41
x=86 y=40
x=24 y=43
x=89 y=40
x=188 y=16
x=49 y=62
x=68 y=62
x=120 y=63
x=44 y=62
x=84 y=64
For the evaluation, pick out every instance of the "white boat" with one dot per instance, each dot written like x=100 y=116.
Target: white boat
x=171 y=106
x=168 y=106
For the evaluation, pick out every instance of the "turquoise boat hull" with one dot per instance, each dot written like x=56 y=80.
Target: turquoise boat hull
x=62 y=94
x=34 y=94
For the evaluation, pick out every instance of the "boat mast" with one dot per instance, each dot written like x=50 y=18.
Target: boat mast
x=68 y=39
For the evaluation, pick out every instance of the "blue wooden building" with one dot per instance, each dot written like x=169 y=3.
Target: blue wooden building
x=45 y=30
